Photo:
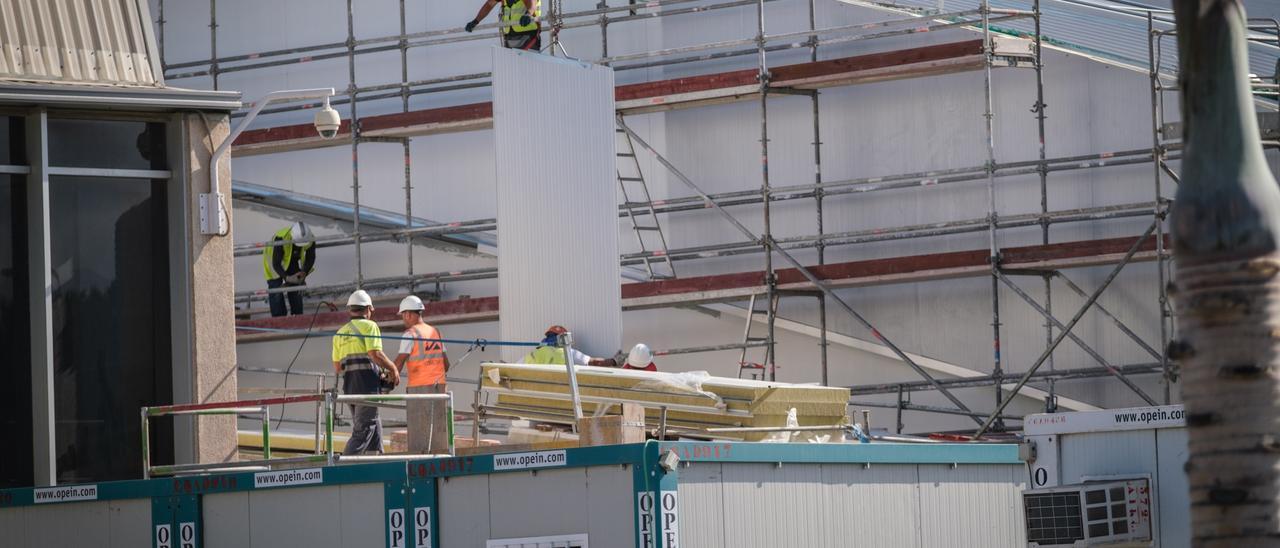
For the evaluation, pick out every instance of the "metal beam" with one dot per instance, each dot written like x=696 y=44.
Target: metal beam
x=988 y=380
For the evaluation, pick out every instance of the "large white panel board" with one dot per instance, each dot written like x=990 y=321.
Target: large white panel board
x=557 y=204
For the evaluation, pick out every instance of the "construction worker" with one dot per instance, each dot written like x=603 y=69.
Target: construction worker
x=549 y=353
x=423 y=355
x=358 y=359
x=288 y=265
x=640 y=358
x=521 y=27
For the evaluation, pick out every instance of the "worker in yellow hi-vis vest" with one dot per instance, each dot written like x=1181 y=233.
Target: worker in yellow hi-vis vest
x=365 y=369
x=422 y=357
x=521 y=26
x=549 y=353
x=287 y=264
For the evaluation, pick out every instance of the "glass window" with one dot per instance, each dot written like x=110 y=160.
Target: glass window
x=15 y=335
x=112 y=144
x=111 y=347
x=12 y=145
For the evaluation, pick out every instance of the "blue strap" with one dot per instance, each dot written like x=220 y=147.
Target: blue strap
x=477 y=342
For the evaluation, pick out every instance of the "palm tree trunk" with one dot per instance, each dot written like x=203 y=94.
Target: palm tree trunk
x=1225 y=227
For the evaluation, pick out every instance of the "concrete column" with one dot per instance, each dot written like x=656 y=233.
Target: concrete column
x=212 y=305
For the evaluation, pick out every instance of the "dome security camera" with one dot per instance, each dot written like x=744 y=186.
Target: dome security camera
x=327 y=121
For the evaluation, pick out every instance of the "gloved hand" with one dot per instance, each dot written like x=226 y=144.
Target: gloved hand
x=471 y=25
x=525 y=20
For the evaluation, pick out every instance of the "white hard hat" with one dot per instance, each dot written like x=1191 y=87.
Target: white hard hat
x=640 y=356
x=412 y=302
x=359 y=298
x=300 y=231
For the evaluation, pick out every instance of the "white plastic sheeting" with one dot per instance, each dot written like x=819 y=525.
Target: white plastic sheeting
x=553 y=139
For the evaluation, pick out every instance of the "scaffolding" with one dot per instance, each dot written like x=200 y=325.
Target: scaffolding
x=916 y=18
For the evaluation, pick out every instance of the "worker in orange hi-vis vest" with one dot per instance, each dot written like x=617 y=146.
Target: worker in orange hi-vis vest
x=423 y=355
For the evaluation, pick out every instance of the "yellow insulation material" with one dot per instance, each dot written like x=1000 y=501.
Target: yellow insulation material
x=740 y=402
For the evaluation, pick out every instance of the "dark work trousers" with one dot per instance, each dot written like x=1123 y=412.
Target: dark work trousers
x=276 y=300
x=366 y=428
x=529 y=41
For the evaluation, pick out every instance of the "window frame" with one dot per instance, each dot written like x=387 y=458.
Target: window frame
x=37 y=172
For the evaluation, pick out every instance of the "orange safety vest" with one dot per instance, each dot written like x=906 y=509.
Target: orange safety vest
x=426 y=359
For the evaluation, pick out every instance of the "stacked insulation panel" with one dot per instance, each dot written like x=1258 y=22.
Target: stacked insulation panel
x=693 y=400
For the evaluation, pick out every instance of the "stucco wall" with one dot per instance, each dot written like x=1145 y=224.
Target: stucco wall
x=213 y=343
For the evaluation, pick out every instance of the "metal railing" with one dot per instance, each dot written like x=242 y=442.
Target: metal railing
x=328 y=402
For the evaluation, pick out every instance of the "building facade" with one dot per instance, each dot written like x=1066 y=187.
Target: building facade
x=110 y=296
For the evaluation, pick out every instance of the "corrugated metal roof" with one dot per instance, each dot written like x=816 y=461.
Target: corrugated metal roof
x=78 y=41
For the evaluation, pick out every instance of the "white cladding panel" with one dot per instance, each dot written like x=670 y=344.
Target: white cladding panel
x=554 y=143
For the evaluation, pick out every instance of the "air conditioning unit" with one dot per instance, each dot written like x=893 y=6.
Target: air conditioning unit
x=1096 y=513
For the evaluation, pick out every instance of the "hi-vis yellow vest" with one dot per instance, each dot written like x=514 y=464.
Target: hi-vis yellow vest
x=547 y=355
x=269 y=252
x=511 y=12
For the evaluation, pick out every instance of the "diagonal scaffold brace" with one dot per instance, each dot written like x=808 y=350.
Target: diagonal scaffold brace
x=1066 y=329
x=817 y=283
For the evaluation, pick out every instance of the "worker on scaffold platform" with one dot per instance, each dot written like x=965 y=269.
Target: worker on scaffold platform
x=522 y=28
x=287 y=264
x=422 y=354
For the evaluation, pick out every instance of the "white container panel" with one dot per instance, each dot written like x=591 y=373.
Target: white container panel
x=767 y=505
x=701 y=494
x=875 y=506
x=463 y=510
x=1172 y=512
x=538 y=504
x=972 y=505
x=1107 y=455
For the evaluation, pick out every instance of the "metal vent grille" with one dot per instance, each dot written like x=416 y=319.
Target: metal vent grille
x=1053 y=518
x=1089 y=514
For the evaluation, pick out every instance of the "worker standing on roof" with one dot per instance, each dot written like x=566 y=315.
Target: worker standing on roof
x=287 y=264
x=549 y=352
x=640 y=358
x=521 y=27
x=358 y=359
x=423 y=355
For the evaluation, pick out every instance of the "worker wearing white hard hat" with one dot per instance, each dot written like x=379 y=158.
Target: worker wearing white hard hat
x=365 y=369
x=422 y=358
x=287 y=263
x=641 y=358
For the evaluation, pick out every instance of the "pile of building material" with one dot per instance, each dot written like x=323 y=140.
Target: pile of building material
x=693 y=401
